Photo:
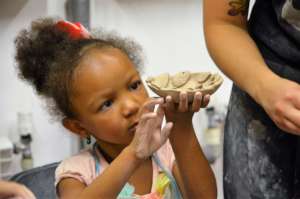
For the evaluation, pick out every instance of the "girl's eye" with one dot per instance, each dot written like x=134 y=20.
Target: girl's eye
x=106 y=105
x=135 y=85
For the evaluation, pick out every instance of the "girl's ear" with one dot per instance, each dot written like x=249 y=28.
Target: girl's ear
x=75 y=127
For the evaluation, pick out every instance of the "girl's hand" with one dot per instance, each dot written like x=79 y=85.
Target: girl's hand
x=184 y=111
x=280 y=98
x=149 y=136
x=14 y=190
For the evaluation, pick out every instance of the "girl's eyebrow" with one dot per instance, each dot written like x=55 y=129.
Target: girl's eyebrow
x=107 y=92
x=100 y=95
x=132 y=76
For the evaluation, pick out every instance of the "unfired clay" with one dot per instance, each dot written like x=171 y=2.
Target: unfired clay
x=165 y=84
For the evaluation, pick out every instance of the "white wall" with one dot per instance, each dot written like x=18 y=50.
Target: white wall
x=50 y=141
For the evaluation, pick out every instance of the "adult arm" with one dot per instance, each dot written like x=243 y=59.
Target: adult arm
x=236 y=54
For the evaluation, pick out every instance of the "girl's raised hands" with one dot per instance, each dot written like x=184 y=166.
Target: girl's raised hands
x=183 y=110
x=149 y=135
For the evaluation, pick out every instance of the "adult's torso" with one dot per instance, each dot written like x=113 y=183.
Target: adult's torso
x=275 y=25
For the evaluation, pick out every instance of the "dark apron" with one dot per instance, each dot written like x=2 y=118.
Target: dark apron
x=260 y=160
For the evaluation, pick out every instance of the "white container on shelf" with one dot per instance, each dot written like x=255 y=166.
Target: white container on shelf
x=6 y=157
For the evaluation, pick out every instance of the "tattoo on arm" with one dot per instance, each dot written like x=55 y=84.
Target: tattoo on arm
x=238 y=7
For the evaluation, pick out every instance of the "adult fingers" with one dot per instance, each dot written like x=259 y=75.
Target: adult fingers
x=293 y=115
x=295 y=97
x=289 y=127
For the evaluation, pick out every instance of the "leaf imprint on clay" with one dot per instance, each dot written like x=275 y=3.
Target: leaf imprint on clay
x=180 y=79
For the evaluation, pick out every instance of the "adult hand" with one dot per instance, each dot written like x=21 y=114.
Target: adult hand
x=183 y=110
x=280 y=98
x=149 y=136
x=14 y=190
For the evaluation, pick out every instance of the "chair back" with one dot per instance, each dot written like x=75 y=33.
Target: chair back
x=39 y=180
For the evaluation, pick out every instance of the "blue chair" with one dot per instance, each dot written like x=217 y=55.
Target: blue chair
x=39 y=180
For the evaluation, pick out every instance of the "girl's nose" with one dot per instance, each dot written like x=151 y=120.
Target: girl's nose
x=130 y=107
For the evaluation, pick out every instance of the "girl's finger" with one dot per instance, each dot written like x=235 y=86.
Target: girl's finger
x=150 y=105
x=145 y=117
x=205 y=100
x=165 y=132
x=183 y=102
x=160 y=113
x=143 y=125
x=169 y=103
x=197 y=102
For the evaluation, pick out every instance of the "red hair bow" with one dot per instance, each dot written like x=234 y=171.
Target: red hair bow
x=75 y=30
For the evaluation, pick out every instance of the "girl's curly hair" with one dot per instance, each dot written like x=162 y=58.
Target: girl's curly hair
x=46 y=58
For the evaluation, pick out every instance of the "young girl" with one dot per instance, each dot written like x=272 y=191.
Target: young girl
x=94 y=84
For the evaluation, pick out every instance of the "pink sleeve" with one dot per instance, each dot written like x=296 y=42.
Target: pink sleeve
x=80 y=167
x=166 y=155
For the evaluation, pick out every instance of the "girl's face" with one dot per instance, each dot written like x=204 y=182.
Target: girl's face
x=108 y=94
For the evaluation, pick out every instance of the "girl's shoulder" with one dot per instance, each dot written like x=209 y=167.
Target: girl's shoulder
x=80 y=166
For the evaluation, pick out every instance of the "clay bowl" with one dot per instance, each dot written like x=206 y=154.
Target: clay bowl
x=166 y=84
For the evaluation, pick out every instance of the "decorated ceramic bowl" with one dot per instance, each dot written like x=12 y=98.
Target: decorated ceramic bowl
x=166 y=84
